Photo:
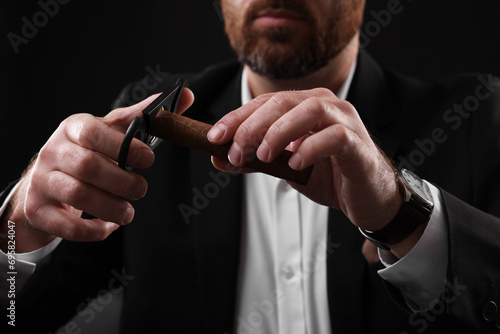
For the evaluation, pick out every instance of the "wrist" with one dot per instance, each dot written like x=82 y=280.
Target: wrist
x=406 y=227
x=391 y=209
x=27 y=238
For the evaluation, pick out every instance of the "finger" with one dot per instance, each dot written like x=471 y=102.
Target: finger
x=335 y=140
x=310 y=116
x=120 y=118
x=294 y=145
x=70 y=227
x=370 y=252
x=63 y=188
x=247 y=125
x=185 y=101
x=226 y=166
x=251 y=132
x=224 y=130
x=93 y=134
x=95 y=169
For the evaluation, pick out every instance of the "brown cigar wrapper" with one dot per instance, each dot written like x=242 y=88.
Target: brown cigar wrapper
x=192 y=134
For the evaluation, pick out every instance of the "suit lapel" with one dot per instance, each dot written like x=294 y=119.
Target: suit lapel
x=346 y=267
x=369 y=95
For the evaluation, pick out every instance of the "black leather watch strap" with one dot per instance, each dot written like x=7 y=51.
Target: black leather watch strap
x=406 y=221
x=411 y=214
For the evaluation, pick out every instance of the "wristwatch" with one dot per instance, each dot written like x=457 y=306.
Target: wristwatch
x=415 y=211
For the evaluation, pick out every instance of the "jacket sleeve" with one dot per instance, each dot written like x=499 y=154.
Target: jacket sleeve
x=472 y=287
x=467 y=172
x=474 y=230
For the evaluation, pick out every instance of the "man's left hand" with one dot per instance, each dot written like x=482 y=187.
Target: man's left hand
x=350 y=172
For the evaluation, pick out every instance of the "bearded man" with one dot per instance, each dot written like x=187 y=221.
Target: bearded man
x=211 y=252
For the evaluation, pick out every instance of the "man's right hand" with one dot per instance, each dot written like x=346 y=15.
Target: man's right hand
x=76 y=171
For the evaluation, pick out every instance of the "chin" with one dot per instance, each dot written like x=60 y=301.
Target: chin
x=282 y=61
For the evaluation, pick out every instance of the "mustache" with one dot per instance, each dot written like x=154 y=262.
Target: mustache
x=298 y=7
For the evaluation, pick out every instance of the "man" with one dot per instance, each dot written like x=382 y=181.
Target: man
x=216 y=253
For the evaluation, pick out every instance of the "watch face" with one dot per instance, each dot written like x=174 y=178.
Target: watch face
x=417 y=186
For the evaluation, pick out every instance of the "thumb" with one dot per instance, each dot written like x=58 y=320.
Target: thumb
x=186 y=100
x=120 y=118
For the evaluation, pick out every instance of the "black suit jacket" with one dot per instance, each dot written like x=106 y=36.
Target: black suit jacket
x=189 y=222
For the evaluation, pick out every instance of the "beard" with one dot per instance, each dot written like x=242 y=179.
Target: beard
x=295 y=51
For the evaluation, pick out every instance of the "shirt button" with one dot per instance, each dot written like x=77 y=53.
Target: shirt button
x=288 y=272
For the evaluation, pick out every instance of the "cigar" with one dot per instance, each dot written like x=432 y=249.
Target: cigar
x=192 y=134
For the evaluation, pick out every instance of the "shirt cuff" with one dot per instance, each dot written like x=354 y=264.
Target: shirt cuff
x=421 y=274
x=22 y=265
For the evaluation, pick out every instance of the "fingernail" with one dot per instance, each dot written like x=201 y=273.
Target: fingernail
x=129 y=215
x=216 y=132
x=112 y=227
x=142 y=189
x=147 y=156
x=234 y=154
x=263 y=152
x=295 y=162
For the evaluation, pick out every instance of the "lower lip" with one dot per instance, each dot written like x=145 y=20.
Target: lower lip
x=273 y=21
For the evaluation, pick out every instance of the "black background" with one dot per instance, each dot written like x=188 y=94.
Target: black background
x=83 y=55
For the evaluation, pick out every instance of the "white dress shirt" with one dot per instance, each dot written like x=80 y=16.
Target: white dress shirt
x=282 y=283
x=283 y=286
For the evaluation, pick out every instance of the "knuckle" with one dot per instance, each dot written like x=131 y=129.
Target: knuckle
x=87 y=164
x=36 y=171
x=278 y=100
x=89 y=135
x=280 y=104
x=47 y=153
x=66 y=123
x=74 y=120
x=37 y=184
x=76 y=194
x=30 y=208
x=340 y=133
x=249 y=136
x=34 y=210
x=84 y=129
x=346 y=107
x=263 y=98
x=72 y=191
x=322 y=91
x=278 y=128
x=244 y=131
x=314 y=106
